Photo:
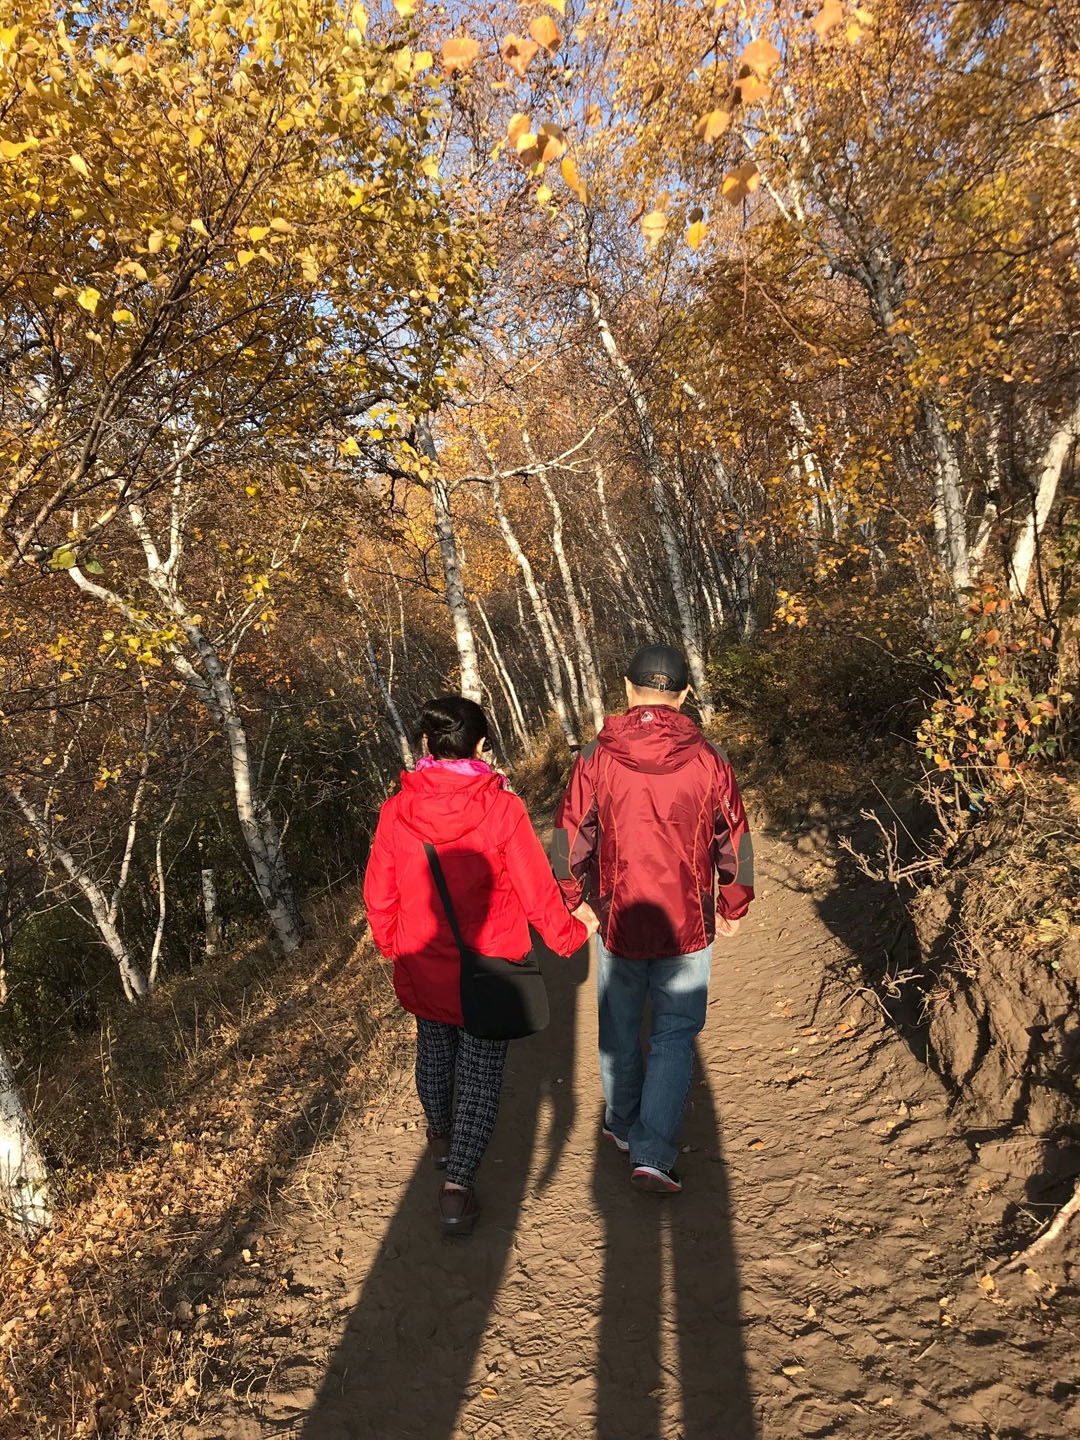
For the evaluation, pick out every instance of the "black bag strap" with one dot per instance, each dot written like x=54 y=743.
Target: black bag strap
x=444 y=895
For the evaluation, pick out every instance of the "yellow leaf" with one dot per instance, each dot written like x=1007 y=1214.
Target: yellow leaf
x=405 y=8
x=459 y=53
x=89 y=299
x=543 y=194
x=559 y=5
x=519 y=125
x=696 y=234
x=199 y=227
x=196 y=137
x=422 y=60
x=430 y=166
x=359 y=17
x=12 y=149
x=282 y=226
x=864 y=17
x=829 y=16
x=546 y=33
x=258 y=232
x=244 y=257
x=552 y=143
x=750 y=90
x=489 y=1393
x=594 y=115
x=122 y=317
x=569 y=172
x=761 y=57
x=155 y=240
x=653 y=227
x=79 y=165
x=986 y=1283
x=518 y=54
x=741 y=183
x=1003 y=761
x=711 y=126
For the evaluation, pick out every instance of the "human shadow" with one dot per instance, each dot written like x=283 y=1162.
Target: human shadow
x=404 y=1365
x=671 y=1359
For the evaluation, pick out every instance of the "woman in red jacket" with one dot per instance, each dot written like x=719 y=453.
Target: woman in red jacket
x=500 y=882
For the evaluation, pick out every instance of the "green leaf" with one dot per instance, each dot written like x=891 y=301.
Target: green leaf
x=94 y=567
x=63 y=558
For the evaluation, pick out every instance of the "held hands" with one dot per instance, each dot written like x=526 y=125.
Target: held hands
x=727 y=927
x=587 y=916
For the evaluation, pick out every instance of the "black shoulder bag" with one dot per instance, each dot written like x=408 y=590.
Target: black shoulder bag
x=500 y=999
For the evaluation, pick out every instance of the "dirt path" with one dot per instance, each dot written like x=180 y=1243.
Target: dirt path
x=796 y=1288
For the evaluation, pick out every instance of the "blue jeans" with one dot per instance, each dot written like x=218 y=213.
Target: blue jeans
x=645 y=1103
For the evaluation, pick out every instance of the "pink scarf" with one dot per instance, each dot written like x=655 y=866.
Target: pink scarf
x=468 y=766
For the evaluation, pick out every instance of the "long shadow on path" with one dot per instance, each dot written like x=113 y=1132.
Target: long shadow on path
x=403 y=1367
x=671 y=1363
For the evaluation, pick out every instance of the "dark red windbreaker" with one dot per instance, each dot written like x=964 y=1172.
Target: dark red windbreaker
x=497 y=873
x=652 y=832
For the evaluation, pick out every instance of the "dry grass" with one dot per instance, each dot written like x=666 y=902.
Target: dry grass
x=173 y=1129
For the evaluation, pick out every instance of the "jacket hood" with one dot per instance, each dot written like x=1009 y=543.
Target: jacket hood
x=441 y=805
x=655 y=739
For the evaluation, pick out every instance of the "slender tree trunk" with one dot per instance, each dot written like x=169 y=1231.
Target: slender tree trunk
x=593 y=690
x=25 y=1198
x=669 y=539
x=544 y=620
x=1052 y=464
x=135 y=982
x=408 y=759
x=210 y=681
x=211 y=916
x=458 y=606
x=506 y=683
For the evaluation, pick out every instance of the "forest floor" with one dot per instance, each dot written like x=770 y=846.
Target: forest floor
x=824 y=1273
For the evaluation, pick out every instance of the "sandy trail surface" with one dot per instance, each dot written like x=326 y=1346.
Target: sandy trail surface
x=817 y=1277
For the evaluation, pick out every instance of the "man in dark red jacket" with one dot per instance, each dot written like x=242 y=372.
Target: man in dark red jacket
x=650 y=821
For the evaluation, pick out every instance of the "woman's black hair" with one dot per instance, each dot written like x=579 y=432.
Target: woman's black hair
x=453 y=726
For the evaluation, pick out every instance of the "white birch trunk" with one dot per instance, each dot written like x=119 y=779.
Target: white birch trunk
x=507 y=685
x=456 y=603
x=593 y=691
x=211 y=917
x=136 y=984
x=544 y=619
x=408 y=759
x=1051 y=466
x=668 y=537
x=25 y=1198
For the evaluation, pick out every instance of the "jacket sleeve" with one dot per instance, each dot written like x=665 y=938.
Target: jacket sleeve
x=531 y=876
x=381 y=895
x=732 y=849
x=577 y=830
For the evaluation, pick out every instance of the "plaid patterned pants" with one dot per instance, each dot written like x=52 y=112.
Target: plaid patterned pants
x=448 y=1058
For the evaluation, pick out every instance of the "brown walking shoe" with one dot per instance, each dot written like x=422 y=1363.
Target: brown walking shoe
x=459 y=1209
x=439 y=1147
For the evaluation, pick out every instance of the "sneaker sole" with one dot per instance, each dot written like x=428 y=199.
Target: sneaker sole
x=653 y=1181
x=623 y=1146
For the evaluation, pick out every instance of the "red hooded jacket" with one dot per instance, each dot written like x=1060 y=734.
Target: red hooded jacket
x=496 y=871
x=651 y=819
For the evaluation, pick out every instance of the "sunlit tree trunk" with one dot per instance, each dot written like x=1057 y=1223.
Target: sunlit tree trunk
x=456 y=603
x=688 y=630
x=593 y=693
x=545 y=622
x=134 y=980
x=25 y=1198
x=1061 y=442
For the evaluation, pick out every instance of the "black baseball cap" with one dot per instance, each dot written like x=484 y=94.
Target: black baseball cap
x=658 y=667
